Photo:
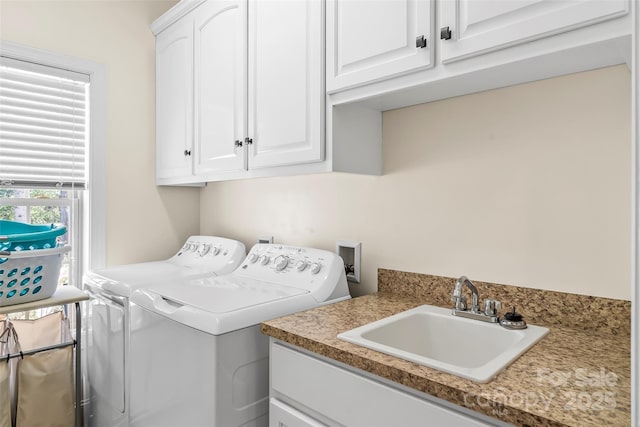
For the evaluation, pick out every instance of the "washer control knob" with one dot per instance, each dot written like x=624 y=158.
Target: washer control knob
x=253 y=258
x=281 y=262
x=301 y=265
x=264 y=260
x=316 y=267
x=215 y=250
x=204 y=249
x=193 y=247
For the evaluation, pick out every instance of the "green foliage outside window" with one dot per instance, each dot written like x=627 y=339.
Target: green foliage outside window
x=6 y=212
x=37 y=214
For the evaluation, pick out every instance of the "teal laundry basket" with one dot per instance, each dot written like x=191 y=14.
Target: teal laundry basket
x=18 y=236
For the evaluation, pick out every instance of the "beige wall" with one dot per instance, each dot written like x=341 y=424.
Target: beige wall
x=526 y=185
x=144 y=222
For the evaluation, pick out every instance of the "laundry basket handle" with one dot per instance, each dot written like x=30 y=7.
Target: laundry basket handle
x=37 y=252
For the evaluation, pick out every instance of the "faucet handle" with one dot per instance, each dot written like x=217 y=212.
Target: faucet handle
x=491 y=307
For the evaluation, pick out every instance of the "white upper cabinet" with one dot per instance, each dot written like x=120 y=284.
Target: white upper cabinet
x=286 y=90
x=371 y=40
x=476 y=27
x=174 y=101
x=220 y=86
x=240 y=89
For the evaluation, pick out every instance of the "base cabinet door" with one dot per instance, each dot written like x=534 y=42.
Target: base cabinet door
x=473 y=27
x=343 y=397
x=283 y=415
x=174 y=101
x=373 y=40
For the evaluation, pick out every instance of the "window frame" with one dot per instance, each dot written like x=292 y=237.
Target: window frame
x=93 y=211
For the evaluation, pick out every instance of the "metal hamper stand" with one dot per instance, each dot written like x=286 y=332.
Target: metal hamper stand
x=62 y=296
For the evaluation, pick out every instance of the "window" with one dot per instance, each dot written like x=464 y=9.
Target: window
x=52 y=149
x=43 y=140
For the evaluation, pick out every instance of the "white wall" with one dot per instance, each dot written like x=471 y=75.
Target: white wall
x=526 y=185
x=144 y=222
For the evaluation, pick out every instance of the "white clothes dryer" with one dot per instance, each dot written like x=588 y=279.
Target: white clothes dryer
x=108 y=325
x=197 y=355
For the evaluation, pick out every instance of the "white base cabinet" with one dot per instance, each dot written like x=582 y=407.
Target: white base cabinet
x=309 y=392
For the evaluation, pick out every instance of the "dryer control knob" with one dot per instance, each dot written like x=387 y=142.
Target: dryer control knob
x=215 y=250
x=281 y=262
x=204 y=249
x=316 y=267
x=264 y=260
x=252 y=258
x=301 y=265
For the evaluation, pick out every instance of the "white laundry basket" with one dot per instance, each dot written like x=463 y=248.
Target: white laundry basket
x=29 y=275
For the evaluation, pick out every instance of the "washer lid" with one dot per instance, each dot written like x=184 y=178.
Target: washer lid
x=124 y=279
x=224 y=294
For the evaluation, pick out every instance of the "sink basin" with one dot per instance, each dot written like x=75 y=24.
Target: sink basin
x=433 y=337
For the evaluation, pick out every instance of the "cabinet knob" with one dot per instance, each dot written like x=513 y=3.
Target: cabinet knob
x=238 y=143
x=421 y=42
x=445 y=33
x=187 y=152
x=248 y=141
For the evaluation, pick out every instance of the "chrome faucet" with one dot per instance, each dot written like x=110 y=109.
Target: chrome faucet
x=491 y=307
x=461 y=300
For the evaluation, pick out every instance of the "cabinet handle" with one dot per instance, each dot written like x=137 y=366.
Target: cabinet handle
x=187 y=152
x=238 y=143
x=421 y=42
x=445 y=33
x=248 y=141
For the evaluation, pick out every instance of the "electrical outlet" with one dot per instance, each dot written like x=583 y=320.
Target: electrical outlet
x=268 y=239
x=350 y=254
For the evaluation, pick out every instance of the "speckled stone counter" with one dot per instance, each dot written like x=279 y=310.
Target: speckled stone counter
x=578 y=375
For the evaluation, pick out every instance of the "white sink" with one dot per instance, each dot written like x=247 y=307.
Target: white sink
x=433 y=337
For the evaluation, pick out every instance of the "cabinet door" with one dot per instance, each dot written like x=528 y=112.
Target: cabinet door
x=220 y=85
x=174 y=100
x=480 y=26
x=372 y=40
x=286 y=75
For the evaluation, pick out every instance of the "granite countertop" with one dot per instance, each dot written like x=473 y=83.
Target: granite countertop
x=578 y=375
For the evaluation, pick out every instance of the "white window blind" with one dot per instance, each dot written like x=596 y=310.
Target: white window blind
x=43 y=125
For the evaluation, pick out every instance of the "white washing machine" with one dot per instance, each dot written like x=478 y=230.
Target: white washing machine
x=197 y=355
x=108 y=334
